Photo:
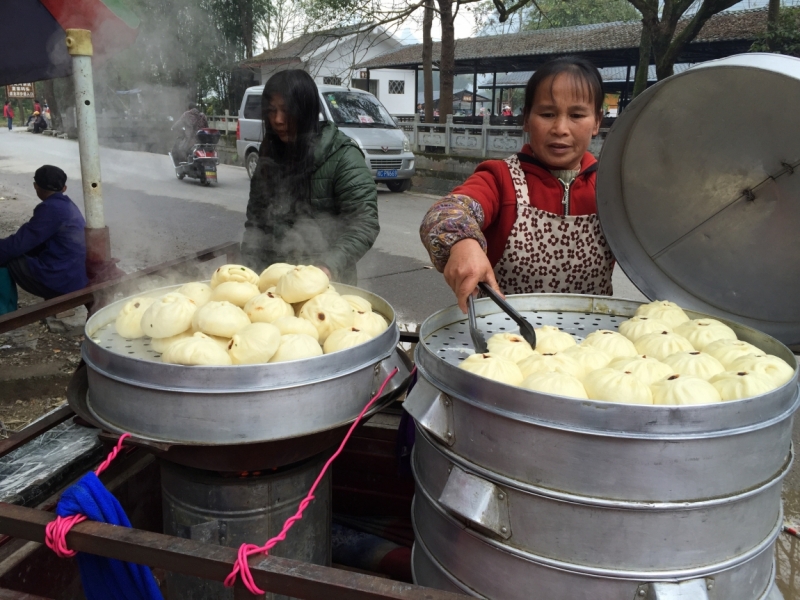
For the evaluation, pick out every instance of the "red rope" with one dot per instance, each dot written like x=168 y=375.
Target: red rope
x=241 y=567
x=55 y=533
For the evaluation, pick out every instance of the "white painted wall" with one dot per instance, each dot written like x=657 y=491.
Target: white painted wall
x=337 y=60
x=396 y=104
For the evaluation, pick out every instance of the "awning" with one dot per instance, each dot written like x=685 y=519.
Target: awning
x=34 y=40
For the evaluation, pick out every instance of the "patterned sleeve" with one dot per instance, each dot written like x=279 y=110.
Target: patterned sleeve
x=452 y=219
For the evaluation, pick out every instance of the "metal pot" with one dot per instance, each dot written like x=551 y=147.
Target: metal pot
x=584 y=499
x=131 y=390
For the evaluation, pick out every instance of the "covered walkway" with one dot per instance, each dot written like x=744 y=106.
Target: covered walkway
x=605 y=44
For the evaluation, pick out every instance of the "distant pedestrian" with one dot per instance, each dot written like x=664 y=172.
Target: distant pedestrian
x=8 y=113
x=39 y=122
x=36 y=106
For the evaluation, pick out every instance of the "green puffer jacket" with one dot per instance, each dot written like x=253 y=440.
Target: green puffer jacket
x=335 y=228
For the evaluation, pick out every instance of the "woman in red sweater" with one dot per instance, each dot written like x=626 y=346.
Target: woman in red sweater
x=529 y=223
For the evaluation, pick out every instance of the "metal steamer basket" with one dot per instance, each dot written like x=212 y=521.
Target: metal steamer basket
x=528 y=495
x=567 y=493
x=199 y=415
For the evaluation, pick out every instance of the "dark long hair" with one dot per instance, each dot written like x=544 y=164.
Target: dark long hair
x=584 y=73
x=301 y=99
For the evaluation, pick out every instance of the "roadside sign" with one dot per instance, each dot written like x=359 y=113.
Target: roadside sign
x=20 y=90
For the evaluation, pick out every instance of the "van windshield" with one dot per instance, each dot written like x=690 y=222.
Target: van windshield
x=352 y=109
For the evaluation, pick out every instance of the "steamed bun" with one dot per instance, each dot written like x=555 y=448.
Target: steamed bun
x=550 y=340
x=302 y=283
x=493 y=367
x=358 y=303
x=269 y=277
x=328 y=312
x=701 y=332
x=684 y=390
x=661 y=345
x=221 y=319
x=267 y=308
x=129 y=319
x=636 y=327
x=160 y=345
x=371 y=322
x=765 y=364
x=611 y=385
x=556 y=383
x=588 y=357
x=287 y=325
x=509 y=345
x=548 y=363
x=197 y=291
x=696 y=364
x=198 y=349
x=663 y=310
x=736 y=385
x=648 y=370
x=612 y=343
x=296 y=346
x=236 y=273
x=341 y=339
x=169 y=315
x=727 y=351
x=254 y=344
x=235 y=292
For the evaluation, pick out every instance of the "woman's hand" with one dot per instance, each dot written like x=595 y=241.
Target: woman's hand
x=325 y=270
x=467 y=265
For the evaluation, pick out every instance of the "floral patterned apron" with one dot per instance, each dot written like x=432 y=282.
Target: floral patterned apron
x=550 y=253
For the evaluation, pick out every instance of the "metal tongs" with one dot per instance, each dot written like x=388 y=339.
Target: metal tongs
x=478 y=340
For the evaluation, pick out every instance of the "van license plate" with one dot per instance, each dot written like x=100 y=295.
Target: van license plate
x=387 y=173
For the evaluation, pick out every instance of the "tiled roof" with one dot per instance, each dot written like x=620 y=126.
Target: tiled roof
x=299 y=46
x=723 y=27
x=609 y=74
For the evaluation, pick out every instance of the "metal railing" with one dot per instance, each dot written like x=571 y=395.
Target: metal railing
x=465 y=136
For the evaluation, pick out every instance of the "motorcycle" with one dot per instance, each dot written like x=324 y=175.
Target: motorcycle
x=201 y=160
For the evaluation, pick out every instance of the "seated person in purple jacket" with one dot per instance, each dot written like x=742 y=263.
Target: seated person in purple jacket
x=47 y=255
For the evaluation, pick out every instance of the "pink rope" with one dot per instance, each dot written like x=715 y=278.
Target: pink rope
x=112 y=455
x=241 y=566
x=55 y=533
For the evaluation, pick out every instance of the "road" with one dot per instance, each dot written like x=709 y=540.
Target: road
x=153 y=217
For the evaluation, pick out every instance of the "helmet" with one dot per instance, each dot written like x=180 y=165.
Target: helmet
x=36 y=112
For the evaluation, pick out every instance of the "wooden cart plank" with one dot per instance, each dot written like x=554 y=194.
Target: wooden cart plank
x=278 y=575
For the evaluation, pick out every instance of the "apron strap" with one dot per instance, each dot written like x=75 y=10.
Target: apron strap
x=518 y=179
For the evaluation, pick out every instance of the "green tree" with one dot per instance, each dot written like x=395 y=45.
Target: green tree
x=191 y=45
x=567 y=13
x=661 y=36
x=784 y=36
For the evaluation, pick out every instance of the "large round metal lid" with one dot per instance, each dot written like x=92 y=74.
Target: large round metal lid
x=698 y=191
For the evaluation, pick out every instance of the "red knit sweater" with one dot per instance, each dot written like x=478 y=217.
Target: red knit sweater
x=491 y=186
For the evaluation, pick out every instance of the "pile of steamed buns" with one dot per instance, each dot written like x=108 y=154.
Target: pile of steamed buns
x=287 y=313
x=659 y=356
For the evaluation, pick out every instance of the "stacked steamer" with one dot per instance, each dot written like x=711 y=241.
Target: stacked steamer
x=644 y=457
x=245 y=372
x=619 y=454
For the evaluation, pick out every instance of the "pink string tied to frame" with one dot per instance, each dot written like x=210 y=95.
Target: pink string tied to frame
x=55 y=533
x=241 y=566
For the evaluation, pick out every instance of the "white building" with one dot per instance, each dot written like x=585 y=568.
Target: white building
x=330 y=58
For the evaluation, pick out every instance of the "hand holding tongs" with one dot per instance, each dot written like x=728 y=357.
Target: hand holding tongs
x=478 y=340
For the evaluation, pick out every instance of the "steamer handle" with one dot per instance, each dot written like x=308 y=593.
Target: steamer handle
x=525 y=329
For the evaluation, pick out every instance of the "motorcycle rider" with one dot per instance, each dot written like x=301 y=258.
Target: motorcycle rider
x=189 y=123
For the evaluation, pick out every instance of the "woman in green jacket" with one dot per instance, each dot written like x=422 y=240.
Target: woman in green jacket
x=312 y=197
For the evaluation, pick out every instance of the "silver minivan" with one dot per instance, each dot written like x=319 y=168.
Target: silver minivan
x=359 y=114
